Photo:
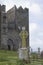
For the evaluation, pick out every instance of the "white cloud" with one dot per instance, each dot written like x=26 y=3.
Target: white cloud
x=1 y=2
x=35 y=9
x=36 y=43
x=36 y=36
x=33 y=27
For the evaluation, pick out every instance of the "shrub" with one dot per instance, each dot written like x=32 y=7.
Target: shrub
x=20 y=62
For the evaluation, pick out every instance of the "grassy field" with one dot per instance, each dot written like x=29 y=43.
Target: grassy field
x=8 y=57
x=11 y=58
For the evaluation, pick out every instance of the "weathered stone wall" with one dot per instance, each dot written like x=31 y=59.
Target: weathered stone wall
x=11 y=14
x=11 y=25
x=4 y=30
x=2 y=10
x=17 y=18
x=22 y=17
x=0 y=25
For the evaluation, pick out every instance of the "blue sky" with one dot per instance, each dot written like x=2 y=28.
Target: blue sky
x=35 y=19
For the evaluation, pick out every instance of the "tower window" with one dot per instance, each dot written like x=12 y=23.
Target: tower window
x=4 y=19
x=4 y=30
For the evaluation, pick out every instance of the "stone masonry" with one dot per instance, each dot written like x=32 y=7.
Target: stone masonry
x=11 y=23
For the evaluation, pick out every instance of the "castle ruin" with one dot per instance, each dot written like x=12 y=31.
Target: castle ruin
x=11 y=23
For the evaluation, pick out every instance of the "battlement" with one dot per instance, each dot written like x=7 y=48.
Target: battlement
x=19 y=9
x=2 y=7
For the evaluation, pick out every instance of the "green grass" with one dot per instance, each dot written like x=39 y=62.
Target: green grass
x=8 y=57
x=11 y=58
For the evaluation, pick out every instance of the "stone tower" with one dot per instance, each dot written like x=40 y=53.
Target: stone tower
x=3 y=27
x=11 y=23
x=17 y=18
x=0 y=25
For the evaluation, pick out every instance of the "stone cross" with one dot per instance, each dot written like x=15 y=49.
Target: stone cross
x=23 y=35
x=23 y=52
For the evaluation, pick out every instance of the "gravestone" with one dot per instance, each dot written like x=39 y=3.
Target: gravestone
x=23 y=52
x=38 y=53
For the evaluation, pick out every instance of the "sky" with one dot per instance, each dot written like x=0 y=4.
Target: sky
x=35 y=19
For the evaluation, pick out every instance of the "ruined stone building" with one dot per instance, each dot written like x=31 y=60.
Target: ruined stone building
x=3 y=27
x=11 y=23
